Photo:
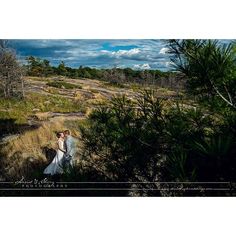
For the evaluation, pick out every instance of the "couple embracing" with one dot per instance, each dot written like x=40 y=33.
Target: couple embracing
x=65 y=154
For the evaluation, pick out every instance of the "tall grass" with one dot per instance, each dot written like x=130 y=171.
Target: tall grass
x=30 y=147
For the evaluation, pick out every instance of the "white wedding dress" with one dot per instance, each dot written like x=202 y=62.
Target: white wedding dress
x=55 y=167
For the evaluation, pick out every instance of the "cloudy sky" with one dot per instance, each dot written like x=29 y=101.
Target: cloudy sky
x=136 y=54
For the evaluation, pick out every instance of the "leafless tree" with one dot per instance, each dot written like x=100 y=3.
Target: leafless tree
x=115 y=75
x=11 y=73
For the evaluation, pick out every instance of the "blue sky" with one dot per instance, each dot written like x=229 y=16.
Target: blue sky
x=136 y=54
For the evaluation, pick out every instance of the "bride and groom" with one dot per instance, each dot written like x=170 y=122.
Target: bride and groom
x=66 y=148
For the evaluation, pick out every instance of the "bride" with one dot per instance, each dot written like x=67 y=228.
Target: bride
x=55 y=167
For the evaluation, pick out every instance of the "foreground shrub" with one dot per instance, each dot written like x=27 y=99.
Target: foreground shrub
x=145 y=142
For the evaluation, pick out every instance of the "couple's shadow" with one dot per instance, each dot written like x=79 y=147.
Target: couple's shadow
x=49 y=153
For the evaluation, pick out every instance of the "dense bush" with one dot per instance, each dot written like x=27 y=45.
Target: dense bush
x=146 y=141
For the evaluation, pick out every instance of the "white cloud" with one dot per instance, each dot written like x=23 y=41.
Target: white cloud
x=121 y=53
x=163 y=51
x=144 y=66
x=130 y=52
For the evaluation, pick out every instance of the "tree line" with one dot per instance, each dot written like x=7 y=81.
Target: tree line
x=41 y=67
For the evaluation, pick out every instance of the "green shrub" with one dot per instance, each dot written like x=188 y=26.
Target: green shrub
x=144 y=141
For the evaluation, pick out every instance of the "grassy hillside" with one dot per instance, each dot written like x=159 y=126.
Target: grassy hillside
x=50 y=105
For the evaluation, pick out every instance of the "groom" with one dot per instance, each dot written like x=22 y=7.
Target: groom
x=70 y=147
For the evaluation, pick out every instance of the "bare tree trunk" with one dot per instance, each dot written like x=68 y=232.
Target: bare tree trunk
x=230 y=103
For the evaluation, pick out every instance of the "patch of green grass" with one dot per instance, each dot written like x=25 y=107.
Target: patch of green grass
x=20 y=110
x=62 y=84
